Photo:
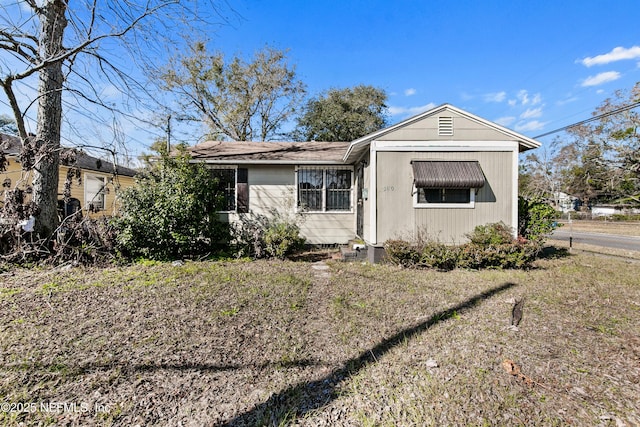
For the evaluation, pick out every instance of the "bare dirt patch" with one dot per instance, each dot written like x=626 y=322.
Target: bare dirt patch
x=282 y=343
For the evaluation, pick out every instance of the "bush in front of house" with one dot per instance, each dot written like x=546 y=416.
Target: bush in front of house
x=490 y=246
x=171 y=212
x=266 y=236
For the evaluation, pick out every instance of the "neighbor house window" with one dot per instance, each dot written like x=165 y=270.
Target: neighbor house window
x=227 y=186
x=446 y=184
x=324 y=189
x=94 y=192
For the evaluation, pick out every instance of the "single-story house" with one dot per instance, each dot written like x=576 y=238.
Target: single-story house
x=438 y=174
x=99 y=179
x=608 y=210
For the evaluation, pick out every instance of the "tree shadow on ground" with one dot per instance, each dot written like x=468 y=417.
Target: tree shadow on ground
x=554 y=252
x=299 y=399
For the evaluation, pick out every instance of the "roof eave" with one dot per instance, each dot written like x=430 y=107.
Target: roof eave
x=524 y=143
x=266 y=162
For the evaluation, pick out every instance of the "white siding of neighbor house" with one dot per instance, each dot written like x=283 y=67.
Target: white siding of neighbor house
x=397 y=218
x=273 y=187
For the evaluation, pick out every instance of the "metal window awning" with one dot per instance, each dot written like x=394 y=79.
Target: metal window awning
x=447 y=174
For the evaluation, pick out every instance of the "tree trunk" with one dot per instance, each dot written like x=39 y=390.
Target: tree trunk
x=47 y=145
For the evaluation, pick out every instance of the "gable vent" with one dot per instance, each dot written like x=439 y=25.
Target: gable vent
x=445 y=126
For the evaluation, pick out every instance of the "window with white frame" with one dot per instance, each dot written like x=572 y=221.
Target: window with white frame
x=324 y=189
x=446 y=184
x=94 y=192
x=444 y=195
x=227 y=186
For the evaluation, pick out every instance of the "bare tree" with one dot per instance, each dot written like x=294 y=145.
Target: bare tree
x=238 y=100
x=62 y=45
x=609 y=167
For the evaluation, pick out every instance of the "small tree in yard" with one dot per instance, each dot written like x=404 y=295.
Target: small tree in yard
x=171 y=212
x=536 y=219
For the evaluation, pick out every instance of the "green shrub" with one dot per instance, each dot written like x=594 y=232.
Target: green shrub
x=536 y=219
x=282 y=239
x=171 y=212
x=266 y=236
x=490 y=246
x=402 y=252
x=438 y=256
x=509 y=255
x=491 y=234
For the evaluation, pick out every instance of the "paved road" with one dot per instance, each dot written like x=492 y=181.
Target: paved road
x=628 y=243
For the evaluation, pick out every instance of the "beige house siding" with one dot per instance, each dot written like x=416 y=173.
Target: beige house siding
x=328 y=228
x=448 y=225
x=273 y=187
x=427 y=130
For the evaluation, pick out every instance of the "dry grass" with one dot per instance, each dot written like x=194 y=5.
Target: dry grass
x=607 y=227
x=580 y=247
x=283 y=343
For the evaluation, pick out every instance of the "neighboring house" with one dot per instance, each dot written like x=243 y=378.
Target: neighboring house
x=99 y=179
x=610 y=210
x=564 y=202
x=438 y=174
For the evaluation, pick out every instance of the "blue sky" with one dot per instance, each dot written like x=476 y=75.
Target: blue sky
x=532 y=66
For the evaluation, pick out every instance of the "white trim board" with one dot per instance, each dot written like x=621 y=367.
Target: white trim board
x=449 y=146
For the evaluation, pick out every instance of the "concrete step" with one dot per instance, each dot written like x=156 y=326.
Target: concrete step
x=354 y=252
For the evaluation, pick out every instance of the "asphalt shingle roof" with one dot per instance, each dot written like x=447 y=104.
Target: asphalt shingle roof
x=12 y=146
x=314 y=151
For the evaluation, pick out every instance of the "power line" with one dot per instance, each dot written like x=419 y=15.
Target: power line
x=592 y=119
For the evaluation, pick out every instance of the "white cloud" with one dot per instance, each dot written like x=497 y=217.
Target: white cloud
x=598 y=79
x=529 y=126
x=617 y=54
x=505 y=121
x=409 y=92
x=567 y=100
x=467 y=97
x=537 y=99
x=410 y=111
x=531 y=113
x=523 y=96
x=495 y=97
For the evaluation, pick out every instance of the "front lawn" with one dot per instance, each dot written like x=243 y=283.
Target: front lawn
x=278 y=342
